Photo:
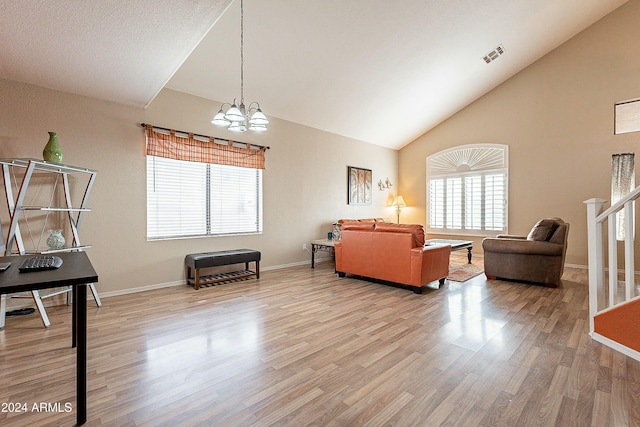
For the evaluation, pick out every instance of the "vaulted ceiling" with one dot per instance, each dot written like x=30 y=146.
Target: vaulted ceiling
x=377 y=71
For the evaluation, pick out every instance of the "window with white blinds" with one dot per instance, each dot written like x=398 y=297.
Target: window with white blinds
x=467 y=190
x=192 y=199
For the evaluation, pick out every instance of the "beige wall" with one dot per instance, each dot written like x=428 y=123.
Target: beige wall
x=556 y=116
x=304 y=181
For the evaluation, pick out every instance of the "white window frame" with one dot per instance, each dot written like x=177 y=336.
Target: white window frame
x=458 y=165
x=206 y=203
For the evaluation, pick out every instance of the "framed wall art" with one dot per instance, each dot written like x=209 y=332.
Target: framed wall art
x=627 y=117
x=359 y=184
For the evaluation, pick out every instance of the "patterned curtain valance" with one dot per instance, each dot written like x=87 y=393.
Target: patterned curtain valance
x=189 y=148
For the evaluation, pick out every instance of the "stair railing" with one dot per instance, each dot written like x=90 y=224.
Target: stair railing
x=598 y=300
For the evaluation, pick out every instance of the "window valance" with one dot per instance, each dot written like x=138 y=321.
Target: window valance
x=163 y=142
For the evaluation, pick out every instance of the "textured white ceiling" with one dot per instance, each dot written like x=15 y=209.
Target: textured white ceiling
x=378 y=71
x=122 y=51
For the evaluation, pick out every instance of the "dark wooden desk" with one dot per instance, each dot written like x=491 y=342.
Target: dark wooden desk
x=75 y=271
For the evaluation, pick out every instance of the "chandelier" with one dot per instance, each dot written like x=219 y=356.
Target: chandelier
x=236 y=117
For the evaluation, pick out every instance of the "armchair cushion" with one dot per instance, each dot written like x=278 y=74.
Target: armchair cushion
x=543 y=230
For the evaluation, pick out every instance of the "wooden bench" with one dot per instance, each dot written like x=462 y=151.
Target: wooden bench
x=215 y=259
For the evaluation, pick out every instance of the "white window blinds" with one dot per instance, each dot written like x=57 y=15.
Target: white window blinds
x=467 y=190
x=189 y=199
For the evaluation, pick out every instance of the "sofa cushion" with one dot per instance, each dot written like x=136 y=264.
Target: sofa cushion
x=337 y=226
x=416 y=230
x=543 y=230
x=345 y=221
x=359 y=226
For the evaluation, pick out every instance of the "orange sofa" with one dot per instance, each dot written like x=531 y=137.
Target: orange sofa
x=390 y=252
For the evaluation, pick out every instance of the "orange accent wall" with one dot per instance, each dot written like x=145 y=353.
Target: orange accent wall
x=621 y=324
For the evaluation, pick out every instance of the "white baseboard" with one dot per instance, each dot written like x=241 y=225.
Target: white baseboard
x=578 y=266
x=586 y=267
x=181 y=282
x=273 y=267
x=104 y=295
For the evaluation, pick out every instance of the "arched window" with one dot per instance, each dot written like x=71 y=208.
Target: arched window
x=467 y=190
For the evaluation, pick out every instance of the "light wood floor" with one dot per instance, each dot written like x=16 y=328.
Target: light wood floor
x=303 y=347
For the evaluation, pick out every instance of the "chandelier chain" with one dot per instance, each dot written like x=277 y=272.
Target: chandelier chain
x=236 y=117
x=242 y=51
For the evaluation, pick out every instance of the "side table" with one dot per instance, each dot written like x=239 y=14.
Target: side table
x=323 y=245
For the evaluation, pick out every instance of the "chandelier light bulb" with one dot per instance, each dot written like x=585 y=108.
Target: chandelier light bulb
x=238 y=126
x=257 y=128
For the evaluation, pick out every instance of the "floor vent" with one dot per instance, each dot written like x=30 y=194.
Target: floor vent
x=494 y=54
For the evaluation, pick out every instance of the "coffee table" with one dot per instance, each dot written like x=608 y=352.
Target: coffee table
x=456 y=245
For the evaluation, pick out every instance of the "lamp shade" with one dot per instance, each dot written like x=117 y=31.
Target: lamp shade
x=219 y=119
x=258 y=118
x=234 y=114
x=399 y=202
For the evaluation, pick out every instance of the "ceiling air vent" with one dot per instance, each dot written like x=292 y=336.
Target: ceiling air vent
x=494 y=54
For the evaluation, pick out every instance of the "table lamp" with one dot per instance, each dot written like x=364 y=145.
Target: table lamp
x=399 y=203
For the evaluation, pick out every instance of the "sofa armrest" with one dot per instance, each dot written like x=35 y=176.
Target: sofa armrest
x=520 y=246
x=429 y=263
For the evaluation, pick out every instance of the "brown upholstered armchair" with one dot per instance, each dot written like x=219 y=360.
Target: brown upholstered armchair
x=538 y=257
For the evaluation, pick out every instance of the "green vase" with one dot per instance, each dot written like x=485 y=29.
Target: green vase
x=52 y=151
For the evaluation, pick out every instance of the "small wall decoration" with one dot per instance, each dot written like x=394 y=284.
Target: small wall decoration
x=359 y=184
x=627 y=117
x=384 y=185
